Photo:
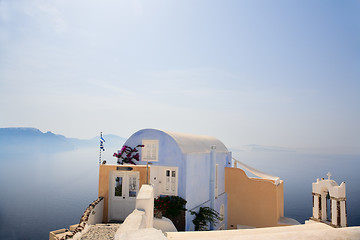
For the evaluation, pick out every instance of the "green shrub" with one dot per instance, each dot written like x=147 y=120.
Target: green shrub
x=170 y=205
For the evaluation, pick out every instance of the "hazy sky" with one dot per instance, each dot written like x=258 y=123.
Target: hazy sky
x=274 y=73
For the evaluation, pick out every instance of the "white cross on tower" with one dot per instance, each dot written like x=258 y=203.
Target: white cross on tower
x=329 y=175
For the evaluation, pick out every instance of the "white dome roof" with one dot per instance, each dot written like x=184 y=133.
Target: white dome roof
x=190 y=143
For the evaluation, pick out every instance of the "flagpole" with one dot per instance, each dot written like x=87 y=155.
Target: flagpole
x=100 y=149
x=102 y=140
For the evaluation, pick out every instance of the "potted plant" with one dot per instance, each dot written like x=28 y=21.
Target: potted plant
x=204 y=217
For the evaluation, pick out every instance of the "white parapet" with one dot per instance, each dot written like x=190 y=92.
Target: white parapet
x=256 y=172
x=140 y=222
x=145 y=202
x=96 y=215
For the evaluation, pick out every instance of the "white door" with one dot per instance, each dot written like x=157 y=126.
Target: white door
x=155 y=180
x=170 y=181
x=124 y=187
x=165 y=180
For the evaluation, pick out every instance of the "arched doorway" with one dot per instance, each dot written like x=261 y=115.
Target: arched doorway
x=325 y=205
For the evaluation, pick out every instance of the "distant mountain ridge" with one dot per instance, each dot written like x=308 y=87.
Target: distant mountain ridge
x=111 y=141
x=32 y=140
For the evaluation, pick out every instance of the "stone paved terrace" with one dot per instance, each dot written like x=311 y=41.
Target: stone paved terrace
x=101 y=232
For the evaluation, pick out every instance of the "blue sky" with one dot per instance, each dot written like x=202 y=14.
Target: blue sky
x=273 y=73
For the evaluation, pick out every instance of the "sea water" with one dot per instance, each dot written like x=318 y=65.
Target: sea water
x=45 y=192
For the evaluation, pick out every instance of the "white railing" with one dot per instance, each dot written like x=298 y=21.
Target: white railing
x=256 y=172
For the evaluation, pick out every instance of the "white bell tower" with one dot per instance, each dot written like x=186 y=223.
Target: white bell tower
x=325 y=192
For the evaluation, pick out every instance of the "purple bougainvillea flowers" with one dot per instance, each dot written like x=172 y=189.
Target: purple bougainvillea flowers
x=128 y=155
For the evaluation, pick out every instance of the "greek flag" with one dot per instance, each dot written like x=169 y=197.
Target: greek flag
x=102 y=140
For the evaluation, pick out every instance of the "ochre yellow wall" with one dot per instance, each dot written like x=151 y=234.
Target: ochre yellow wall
x=104 y=173
x=251 y=201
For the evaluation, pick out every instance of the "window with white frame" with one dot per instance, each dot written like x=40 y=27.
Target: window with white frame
x=222 y=211
x=217 y=180
x=222 y=216
x=150 y=151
